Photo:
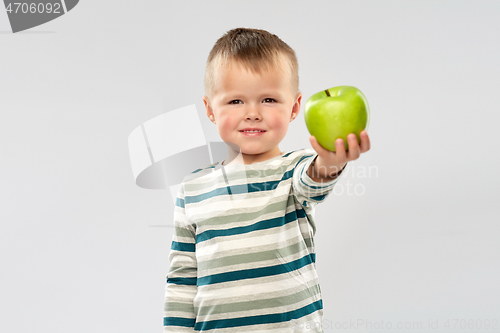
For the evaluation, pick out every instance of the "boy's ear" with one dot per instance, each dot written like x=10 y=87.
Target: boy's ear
x=296 y=106
x=208 y=109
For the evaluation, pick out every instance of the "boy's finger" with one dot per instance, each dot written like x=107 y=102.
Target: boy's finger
x=319 y=148
x=353 y=147
x=365 y=141
x=340 y=151
x=314 y=144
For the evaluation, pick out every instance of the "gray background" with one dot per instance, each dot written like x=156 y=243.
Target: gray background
x=78 y=253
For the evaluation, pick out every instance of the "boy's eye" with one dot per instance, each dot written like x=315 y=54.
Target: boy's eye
x=265 y=99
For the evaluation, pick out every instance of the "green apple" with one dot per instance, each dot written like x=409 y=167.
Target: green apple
x=334 y=113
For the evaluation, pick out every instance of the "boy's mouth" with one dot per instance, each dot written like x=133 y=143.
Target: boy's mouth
x=252 y=131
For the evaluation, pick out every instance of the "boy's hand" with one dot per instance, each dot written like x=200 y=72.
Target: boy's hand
x=328 y=163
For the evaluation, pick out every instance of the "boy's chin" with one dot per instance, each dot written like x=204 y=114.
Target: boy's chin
x=246 y=150
x=234 y=146
x=237 y=150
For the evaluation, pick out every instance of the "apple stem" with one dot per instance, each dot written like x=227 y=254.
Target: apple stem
x=327 y=92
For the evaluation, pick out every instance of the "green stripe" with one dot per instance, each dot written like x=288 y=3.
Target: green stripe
x=182 y=307
x=243 y=216
x=309 y=242
x=251 y=257
x=260 y=319
x=260 y=303
x=182 y=232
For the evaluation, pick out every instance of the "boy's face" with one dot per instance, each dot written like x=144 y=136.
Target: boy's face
x=243 y=99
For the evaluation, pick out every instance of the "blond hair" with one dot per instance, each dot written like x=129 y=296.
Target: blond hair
x=257 y=50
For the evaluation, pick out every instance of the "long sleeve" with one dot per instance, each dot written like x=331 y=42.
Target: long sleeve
x=308 y=192
x=180 y=290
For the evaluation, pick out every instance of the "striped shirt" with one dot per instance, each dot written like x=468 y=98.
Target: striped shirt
x=243 y=255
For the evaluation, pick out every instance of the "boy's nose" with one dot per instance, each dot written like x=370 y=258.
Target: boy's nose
x=254 y=117
x=253 y=114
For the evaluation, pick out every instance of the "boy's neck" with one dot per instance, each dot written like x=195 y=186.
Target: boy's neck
x=236 y=157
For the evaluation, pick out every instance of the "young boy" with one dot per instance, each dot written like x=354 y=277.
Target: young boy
x=243 y=256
